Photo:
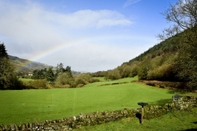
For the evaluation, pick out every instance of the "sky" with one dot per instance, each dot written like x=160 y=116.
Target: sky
x=88 y=35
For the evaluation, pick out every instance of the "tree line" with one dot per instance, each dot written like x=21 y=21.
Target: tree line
x=175 y=58
x=42 y=78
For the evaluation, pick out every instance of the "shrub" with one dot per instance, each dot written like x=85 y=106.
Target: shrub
x=36 y=84
x=113 y=74
x=63 y=79
x=92 y=80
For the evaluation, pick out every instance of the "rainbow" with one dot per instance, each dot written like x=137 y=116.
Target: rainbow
x=62 y=46
x=48 y=52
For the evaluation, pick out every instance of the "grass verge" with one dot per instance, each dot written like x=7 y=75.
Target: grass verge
x=173 y=121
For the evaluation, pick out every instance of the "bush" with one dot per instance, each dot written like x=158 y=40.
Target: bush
x=164 y=72
x=64 y=79
x=36 y=84
x=113 y=74
x=144 y=67
x=92 y=80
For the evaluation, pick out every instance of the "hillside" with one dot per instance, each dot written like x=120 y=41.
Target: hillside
x=157 y=62
x=156 y=58
x=24 y=65
x=173 y=60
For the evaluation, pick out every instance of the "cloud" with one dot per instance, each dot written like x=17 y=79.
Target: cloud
x=90 y=18
x=130 y=2
x=93 y=57
x=79 y=39
x=32 y=24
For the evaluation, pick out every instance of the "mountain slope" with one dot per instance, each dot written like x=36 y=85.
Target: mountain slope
x=173 y=60
x=24 y=65
x=157 y=62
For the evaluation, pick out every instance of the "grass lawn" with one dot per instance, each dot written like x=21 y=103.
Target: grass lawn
x=173 y=121
x=23 y=106
x=26 y=79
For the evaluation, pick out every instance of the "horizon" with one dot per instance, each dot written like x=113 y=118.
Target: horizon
x=87 y=35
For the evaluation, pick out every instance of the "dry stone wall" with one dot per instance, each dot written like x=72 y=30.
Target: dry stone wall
x=67 y=124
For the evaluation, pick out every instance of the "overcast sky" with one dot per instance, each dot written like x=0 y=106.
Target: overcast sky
x=88 y=35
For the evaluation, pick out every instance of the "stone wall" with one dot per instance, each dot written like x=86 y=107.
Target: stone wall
x=94 y=118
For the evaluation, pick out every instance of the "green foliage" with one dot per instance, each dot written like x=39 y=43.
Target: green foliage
x=145 y=66
x=50 y=76
x=60 y=69
x=164 y=73
x=85 y=78
x=187 y=59
x=82 y=79
x=3 y=52
x=174 y=59
x=125 y=70
x=183 y=16
x=36 y=84
x=64 y=79
x=113 y=74
x=8 y=78
x=39 y=74
x=99 y=74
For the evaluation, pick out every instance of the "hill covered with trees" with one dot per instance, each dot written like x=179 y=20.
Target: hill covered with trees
x=26 y=66
x=175 y=58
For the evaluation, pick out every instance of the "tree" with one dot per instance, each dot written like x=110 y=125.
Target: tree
x=8 y=78
x=68 y=69
x=50 y=75
x=144 y=67
x=127 y=71
x=113 y=74
x=59 y=69
x=3 y=52
x=183 y=15
x=39 y=74
x=64 y=79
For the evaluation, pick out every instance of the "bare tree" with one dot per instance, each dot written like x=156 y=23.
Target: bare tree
x=183 y=15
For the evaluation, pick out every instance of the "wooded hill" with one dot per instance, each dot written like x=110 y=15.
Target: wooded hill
x=166 y=61
x=158 y=62
x=24 y=65
x=155 y=63
x=174 y=59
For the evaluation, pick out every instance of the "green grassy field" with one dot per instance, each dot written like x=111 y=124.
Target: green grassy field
x=23 y=106
x=173 y=121
x=26 y=79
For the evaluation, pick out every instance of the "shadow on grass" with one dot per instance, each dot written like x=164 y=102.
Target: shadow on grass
x=195 y=122
x=138 y=115
x=162 y=102
x=177 y=91
x=171 y=92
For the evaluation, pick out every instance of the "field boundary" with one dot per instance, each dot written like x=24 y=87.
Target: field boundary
x=66 y=124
